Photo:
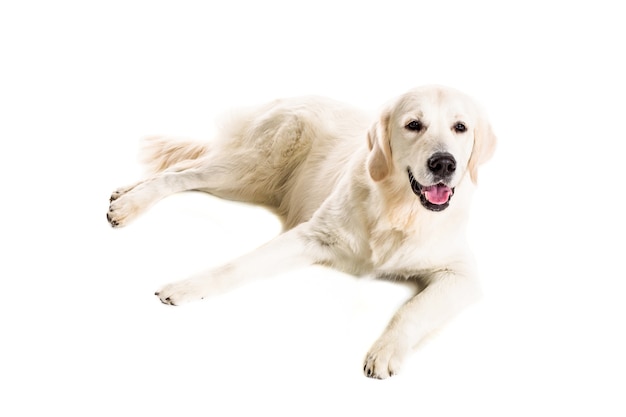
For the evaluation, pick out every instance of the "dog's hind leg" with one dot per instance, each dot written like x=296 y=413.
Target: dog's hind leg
x=250 y=161
x=215 y=174
x=126 y=203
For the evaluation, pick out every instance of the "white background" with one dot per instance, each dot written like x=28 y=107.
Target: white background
x=81 y=331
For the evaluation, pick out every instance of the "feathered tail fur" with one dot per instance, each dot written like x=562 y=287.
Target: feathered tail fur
x=159 y=153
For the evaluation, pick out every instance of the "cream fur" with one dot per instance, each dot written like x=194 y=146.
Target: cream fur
x=338 y=180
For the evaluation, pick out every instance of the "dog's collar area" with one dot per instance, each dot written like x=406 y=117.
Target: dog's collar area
x=434 y=197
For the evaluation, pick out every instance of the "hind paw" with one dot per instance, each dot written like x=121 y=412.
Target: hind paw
x=125 y=204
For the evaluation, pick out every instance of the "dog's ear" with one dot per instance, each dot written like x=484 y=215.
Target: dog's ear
x=379 y=162
x=484 y=147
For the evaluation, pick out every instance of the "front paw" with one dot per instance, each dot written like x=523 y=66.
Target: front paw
x=181 y=292
x=385 y=358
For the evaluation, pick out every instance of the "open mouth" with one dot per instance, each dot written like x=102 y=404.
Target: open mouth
x=434 y=197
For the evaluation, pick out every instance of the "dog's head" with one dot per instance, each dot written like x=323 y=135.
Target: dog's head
x=432 y=136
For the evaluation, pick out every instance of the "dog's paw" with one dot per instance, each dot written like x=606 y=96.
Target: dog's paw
x=385 y=358
x=122 y=210
x=181 y=292
x=124 y=205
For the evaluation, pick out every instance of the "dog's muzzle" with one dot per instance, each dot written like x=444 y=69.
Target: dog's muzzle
x=433 y=197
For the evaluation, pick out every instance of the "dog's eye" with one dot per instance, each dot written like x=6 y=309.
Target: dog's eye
x=460 y=127
x=415 y=125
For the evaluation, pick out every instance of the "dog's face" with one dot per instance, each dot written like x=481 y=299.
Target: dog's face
x=433 y=137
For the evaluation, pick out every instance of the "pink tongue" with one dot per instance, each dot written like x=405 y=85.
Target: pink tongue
x=437 y=194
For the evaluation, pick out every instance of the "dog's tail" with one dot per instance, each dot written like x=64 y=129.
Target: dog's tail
x=158 y=153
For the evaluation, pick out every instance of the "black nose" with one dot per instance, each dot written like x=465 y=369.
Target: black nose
x=442 y=165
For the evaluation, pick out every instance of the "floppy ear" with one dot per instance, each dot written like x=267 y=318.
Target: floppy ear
x=379 y=162
x=484 y=146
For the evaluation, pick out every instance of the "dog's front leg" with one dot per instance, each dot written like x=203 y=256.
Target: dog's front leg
x=289 y=250
x=447 y=293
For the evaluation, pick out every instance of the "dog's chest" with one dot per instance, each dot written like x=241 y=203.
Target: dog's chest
x=422 y=246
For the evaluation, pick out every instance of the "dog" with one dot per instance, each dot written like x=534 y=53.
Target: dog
x=388 y=197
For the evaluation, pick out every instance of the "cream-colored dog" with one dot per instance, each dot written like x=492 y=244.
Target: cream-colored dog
x=389 y=198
